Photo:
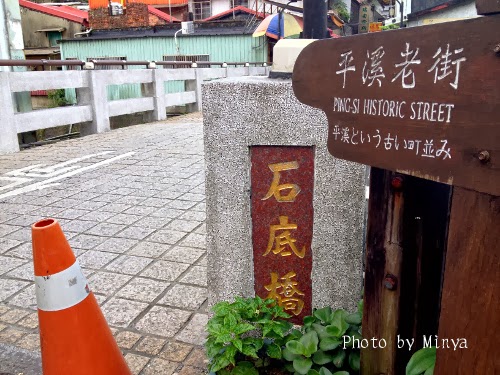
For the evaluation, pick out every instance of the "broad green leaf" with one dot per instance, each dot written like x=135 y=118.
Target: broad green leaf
x=250 y=351
x=302 y=365
x=308 y=320
x=312 y=372
x=289 y=368
x=338 y=358
x=354 y=319
x=429 y=371
x=223 y=338
x=220 y=363
x=324 y=314
x=310 y=342
x=354 y=361
x=238 y=344
x=274 y=351
x=329 y=343
x=296 y=347
x=230 y=321
x=341 y=373
x=421 y=361
x=221 y=308
x=243 y=369
x=242 y=328
x=224 y=371
x=320 y=330
x=324 y=371
x=214 y=349
x=360 y=306
x=289 y=356
x=321 y=358
x=338 y=325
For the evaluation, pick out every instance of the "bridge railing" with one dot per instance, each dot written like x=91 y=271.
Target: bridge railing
x=92 y=109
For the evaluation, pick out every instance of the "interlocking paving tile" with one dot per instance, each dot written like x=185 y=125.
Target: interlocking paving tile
x=24 y=251
x=107 y=283
x=77 y=225
x=183 y=254
x=97 y=216
x=159 y=366
x=30 y=342
x=71 y=214
x=182 y=225
x=185 y=296
x=150 y=345
x=194 y=215
x=25 y=272
x=149 y=249
x=7 y=244
x=163 y=321
x=117 y=245
x=176 y=351
x=105 y=229
x=9 y=263
x=121 y=312
x=115 y=207
x=9 y=287
x=196 y=275
x=13 y=316
x=30 y=321
x=25 y=299
x=134 y=232
x=141 y=289
x=127 y=339
x=181 y=205
x=170 y=237
x=129 y=264
x=152 y=222
x=195 y=240
x=11 y=335
x=193 y=197
x=96 y=259
x=122 y=218
x=165 y=270
x=194 y=332
x=136 y=362
x=86 y=241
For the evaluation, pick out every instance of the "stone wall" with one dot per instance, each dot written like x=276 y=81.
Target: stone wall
x=239 y=113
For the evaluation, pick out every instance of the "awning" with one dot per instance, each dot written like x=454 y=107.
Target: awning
x=58 y=29
x=41 y=51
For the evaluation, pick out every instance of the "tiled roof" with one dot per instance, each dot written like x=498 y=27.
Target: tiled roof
x=238 y=9
x=162 y=15
x=60 y=11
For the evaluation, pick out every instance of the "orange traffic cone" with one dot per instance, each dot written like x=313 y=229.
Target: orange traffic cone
x=75 y=338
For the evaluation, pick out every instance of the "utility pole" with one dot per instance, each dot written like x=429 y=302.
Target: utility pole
x=315 y=13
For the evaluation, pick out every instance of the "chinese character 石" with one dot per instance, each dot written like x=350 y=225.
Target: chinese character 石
x=443 y=65
x=283 y=290
x=374 y=71
x=346 y=64
x=406 y=72
x=276 y=188
x=283 y=241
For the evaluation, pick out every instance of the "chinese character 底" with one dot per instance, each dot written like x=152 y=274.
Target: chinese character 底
x=282 y=241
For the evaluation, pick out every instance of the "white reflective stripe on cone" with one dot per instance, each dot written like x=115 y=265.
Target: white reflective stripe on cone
x=61 y=290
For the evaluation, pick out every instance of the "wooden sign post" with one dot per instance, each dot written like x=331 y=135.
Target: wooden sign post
x=421 y=106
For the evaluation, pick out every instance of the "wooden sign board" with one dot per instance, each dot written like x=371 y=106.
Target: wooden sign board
x=423 y=101
x=364 y=18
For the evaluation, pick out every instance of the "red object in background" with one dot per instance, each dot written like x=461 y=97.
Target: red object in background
x=282 y=183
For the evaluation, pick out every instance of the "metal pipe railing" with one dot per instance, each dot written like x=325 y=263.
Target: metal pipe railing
x=43 y=63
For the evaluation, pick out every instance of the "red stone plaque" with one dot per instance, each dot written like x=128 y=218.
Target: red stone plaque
x=282 y=179
x=422 y=101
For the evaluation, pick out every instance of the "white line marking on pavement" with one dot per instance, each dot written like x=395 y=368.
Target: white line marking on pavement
x=44 y=184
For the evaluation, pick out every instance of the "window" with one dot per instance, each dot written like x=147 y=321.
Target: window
x=202 y=9
x=109 y=67
x=53 y=37
x=236 y=3
x=190 y=58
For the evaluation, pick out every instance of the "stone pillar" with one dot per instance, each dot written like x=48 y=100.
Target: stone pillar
x=8 y=132
x=195 y=85
x=156 y=90
x=97 y=96
x=241 y=113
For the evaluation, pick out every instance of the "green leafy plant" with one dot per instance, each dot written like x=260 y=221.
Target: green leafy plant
x=392 y=26
x=57 y=98
x=422 y=362
x=246 y=336
x=340 y=8
x=320 y=348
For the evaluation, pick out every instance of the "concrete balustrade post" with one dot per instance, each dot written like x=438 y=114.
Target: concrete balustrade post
x=195 y=85
x=8 y=131
x=97 y=96
x=156 y=90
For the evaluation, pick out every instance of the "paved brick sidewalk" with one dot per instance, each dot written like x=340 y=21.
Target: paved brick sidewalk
x=134 y=215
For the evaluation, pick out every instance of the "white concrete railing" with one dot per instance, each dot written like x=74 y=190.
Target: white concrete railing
x=93 y=109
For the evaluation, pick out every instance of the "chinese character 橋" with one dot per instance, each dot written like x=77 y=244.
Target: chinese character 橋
x=284 y=291
x=407 y=75
x=443 y=65
x=346 y=65
x=374 y=71
x=276 y=188
x=281 y=239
